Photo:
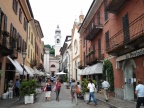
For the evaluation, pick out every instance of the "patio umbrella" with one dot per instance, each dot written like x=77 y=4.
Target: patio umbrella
x=60 y=73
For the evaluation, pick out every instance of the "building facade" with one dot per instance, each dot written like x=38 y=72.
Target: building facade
x=114 y=30
x=14 y=16
x=76 y=48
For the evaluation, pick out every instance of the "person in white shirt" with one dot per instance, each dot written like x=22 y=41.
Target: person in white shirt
x=92 y=89
x=105 y=86
x=139 y=91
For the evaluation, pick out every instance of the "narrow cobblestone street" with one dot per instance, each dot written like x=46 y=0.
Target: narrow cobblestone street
x=65 y=102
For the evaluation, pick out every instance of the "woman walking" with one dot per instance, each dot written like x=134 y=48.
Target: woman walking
x=48 y=88
x=58 y=86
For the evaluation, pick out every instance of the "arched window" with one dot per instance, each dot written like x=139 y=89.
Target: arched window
x=52 y=65
x=58 y=41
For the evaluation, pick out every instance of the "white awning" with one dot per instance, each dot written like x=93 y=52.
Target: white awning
x=28 y=71
x=41 y=73
x=86 y=71
x=96 y=69
x=17 y=66
x=36 y=71
x=31 y=70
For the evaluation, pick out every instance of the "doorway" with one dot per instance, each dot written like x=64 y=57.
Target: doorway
x=129 y=80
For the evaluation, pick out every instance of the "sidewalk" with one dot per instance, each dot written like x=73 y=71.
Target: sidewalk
x=118 y=103
x=8 y=102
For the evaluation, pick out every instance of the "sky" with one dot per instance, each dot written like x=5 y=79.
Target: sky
x=51 y=13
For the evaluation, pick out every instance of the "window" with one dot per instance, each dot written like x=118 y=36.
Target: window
x=15 y=6
x=99 y=48
x=52 y=65
x=28 y=51
x=84 y=58
x=25 y=24
x=126 y=29
x=84 y=41
x=20 y=15
x=75 y=46
x=98 y=18
x=32 y=39
x=58 y=41
x=105 y=12
x=107 y=39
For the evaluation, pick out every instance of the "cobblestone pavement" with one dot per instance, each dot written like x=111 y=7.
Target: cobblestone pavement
x=65 y=102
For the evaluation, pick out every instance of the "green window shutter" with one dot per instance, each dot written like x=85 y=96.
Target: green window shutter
x=5 y=22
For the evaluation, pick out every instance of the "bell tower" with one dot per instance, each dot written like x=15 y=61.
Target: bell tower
x=57 y=38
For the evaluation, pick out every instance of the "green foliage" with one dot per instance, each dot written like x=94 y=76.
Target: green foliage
x=52 y=51
x=64 y=78
x=48 y=46
x=28 y=87
x=84 y=85
x=110 y=75
x=1 y=74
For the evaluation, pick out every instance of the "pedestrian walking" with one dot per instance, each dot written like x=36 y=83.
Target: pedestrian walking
x=73 y=91
x=79 y=87
x=58 y=86
x=139 y=91
x=92 y=90
x=105 y=86
x=17 y=88
x=48 y=89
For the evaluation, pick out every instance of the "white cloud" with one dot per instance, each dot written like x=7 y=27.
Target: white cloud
x=51 y=13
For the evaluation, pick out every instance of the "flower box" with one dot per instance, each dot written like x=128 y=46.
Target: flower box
x=29 y=99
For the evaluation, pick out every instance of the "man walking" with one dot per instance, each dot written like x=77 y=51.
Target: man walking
x=139 y=91
x=105 y=86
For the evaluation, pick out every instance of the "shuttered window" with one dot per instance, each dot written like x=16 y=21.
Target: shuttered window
x=126 y=29
x=99 y=48
x=84 y=58
x=25 y=24
x=105 y=12
x=107 y=39
x=5 y=22
x=15 y=6
x=20 y=15
x=0 y=18
x=98 y=18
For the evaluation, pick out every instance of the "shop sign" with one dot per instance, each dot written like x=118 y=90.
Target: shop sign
x=135 y=53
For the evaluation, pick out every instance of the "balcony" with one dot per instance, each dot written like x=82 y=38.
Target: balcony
x=14 y=55
x=33 y=62
x=94 y=56
x=113 y=6
x=4 y=44
x=80 y=66
x=127 y=40
x=93 y=31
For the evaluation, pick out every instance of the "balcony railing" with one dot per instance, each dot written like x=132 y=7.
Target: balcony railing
x=113 y=6
x=4 y=44
x=93 y=58
x=93 y=31
x=14 y=55
x=128 y=36
x=80 y=65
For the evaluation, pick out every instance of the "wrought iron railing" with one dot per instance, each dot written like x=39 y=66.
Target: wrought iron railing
x=4 y=40
x=135 y=29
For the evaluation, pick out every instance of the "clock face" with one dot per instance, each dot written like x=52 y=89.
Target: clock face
x=75 y=46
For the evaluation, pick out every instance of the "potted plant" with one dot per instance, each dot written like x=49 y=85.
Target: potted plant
x=85 y=90
x=27 y=90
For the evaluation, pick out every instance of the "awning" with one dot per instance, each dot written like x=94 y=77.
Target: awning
x=31 y=70
x=41 y=73
x=17 y=66
x=86 y=71
x=28 y=70
x=36 y=71
x=96 y=69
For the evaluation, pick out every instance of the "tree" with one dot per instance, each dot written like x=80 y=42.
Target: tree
x=108 y=69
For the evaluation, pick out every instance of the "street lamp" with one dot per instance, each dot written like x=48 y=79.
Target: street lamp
x=69 y=65
x=23 y=56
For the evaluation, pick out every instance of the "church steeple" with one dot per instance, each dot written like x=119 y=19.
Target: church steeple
x=57 y=38
x=81 y=17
